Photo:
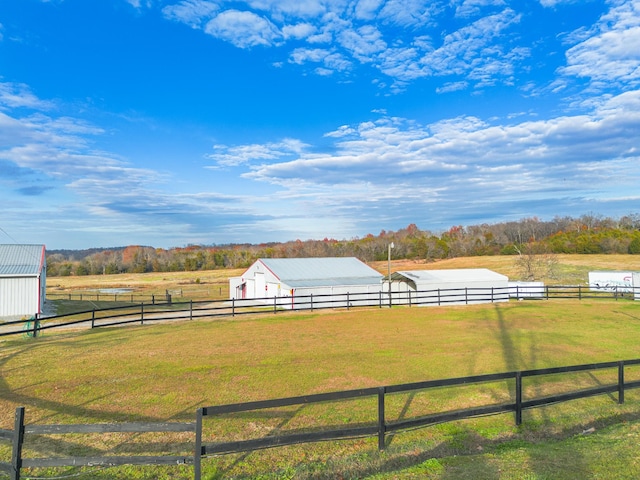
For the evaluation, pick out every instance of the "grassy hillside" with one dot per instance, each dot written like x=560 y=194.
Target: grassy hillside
x=165 y=372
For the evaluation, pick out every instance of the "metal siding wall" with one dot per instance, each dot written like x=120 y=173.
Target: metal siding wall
x=19 y=296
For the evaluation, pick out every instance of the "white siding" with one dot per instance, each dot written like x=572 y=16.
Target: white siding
x=19 y=296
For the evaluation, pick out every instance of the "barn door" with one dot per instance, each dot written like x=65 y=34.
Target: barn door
x=260 y=285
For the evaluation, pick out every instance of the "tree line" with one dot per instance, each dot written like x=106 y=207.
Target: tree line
x=587 y=234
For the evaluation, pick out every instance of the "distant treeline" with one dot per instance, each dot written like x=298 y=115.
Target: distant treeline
x=586 y=235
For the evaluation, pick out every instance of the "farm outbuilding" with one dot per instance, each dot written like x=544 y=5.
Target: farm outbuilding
x=23 y=276
x=299 y=278
x=448 y=287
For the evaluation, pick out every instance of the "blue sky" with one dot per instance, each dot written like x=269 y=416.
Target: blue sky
x=168 y=123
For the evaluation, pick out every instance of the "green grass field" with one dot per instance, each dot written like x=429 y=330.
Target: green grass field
x=165 y=372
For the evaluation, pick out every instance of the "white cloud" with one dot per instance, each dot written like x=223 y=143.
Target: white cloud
x=17 y=95
x=410 y=13
x=244 y=154
x=298 y=31
x=364 y=43
x=332 y=61
x=367 y=9
x=303 y=55
x=243 y=29
x=366 y=32
x=140 y=3
x=466 y=157
x=612 y=51
x=191 y=12
x=469 y=8
x=452 y=87
x=290 y=8
x=466 y=48
x=553 y=3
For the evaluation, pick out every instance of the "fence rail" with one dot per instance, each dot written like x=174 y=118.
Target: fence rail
x=382 y=427
x=181 y=310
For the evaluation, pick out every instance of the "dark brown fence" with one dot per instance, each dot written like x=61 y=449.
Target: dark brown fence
x=188 y=310
x=381 y=427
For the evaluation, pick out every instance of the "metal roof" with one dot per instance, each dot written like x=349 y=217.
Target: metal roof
x=21 y=260
x=451 y=275
x=326 y=271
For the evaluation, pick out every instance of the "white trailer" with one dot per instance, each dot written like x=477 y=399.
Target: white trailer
x=611 y=281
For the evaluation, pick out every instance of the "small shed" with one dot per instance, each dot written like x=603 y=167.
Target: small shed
x=302 y=277
x=449 y=287
x=23 y=277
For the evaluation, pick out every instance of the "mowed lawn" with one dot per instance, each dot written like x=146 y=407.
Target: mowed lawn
x=165 y=372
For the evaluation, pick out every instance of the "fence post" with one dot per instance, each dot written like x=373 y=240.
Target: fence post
x=142 y=313
x=546 y=287
x=233 y=307
x=518 y=398
x=35 y=325
x=438 y=297
x=93 y=318
x=191 y=309
x=620 y=383
x=197 y=454
x=381 y=421
x=579 y=292
x=18 y=439
x=409 y=292
x=347 y=300
x=492 y=294
x=275 y=304
x=380 y=297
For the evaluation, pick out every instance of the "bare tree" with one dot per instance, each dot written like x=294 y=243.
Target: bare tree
x=534 y=262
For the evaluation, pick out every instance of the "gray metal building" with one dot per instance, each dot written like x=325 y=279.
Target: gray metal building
x=23 y=277
x=452 y=287
x=301 y=277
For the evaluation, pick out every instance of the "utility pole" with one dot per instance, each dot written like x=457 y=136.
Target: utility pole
x=391 y=245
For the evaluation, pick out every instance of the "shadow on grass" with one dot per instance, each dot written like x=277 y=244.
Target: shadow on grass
x=415 y=461
x=79 y=410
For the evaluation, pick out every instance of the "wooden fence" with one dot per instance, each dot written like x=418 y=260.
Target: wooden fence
x=188 y=310
x=380 y=428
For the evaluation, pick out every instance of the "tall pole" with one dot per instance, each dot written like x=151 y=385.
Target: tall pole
x=391 y=245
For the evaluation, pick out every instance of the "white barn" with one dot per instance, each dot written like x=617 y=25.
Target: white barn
x=448 y=287
x=23 y=277
x=297 y=279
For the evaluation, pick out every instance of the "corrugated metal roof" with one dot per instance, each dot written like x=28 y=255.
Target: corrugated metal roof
x=21 y=260
x=452 y=275
x=327 y=271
